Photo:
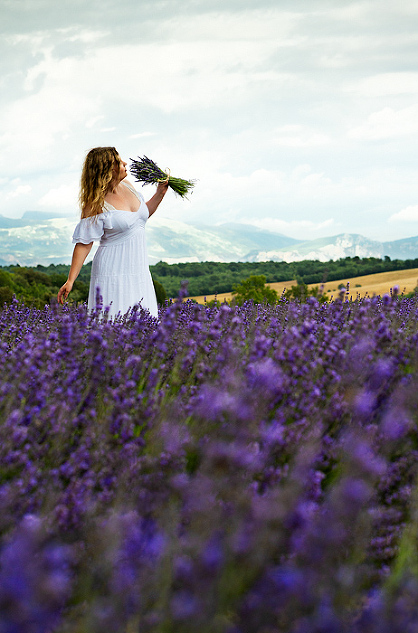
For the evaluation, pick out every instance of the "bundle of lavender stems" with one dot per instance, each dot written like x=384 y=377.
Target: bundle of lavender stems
x=146 y=171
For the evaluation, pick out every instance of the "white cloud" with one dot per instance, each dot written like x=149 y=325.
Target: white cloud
x=409 y=214
x=218 y=26
x=253 y=102
x=387 y=123
x=384 y=84
x=33 y=127
x=75 y=34
x=142 y=135
x=20 y=190
x=93 y=120
x=60 y=197
x=299 y=136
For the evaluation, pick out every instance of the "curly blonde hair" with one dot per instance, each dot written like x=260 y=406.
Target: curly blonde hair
x=97 y=178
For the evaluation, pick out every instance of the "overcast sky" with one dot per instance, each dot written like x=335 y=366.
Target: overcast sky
x=297 y=116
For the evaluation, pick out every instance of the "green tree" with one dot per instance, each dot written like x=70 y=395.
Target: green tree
x=301 y=292
x=254 y=289
x=159 y=291
x=214 y=303
x=6 y=295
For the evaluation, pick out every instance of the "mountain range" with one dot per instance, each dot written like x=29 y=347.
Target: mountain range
x=42 y=238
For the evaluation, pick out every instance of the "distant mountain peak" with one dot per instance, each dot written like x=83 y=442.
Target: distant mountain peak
x=44 y=238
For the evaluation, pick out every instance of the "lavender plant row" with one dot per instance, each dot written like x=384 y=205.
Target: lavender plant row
x=230 y=469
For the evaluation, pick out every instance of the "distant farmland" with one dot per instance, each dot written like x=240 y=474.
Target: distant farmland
x=377 y=284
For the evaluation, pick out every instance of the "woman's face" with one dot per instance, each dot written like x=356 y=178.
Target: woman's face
x=123 y=172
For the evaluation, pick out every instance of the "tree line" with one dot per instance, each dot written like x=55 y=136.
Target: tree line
x=205 y=278
x=39 y=285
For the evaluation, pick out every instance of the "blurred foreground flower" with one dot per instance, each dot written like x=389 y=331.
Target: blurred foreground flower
x=224 y=469
x=146 y=171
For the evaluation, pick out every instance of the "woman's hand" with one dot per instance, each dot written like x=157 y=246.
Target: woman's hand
x=162 y=188
x=79 y=255
x=64 y=291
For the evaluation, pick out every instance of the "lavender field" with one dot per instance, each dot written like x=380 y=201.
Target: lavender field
x=224 y=470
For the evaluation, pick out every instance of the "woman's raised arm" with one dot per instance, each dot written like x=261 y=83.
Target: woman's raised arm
x=79 y=256
x=153 y=203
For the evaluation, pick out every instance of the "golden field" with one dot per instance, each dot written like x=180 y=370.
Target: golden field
x=367 y=285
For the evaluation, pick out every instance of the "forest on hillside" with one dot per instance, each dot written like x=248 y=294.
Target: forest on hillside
x=39 y=285
x=216 y=277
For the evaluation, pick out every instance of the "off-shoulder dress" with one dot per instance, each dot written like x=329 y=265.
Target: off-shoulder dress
x=120 y=269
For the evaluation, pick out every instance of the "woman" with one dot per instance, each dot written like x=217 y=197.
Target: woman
x=113 y=212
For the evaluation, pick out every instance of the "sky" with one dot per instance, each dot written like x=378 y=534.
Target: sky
x=299 y=117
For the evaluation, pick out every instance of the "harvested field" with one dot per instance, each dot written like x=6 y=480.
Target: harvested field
x=378 y=284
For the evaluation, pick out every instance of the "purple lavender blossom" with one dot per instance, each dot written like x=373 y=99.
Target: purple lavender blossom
x=223 y=468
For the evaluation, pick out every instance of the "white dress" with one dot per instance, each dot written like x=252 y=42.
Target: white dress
x=120 y=269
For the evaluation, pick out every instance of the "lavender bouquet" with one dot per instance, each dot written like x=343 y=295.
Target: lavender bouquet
x=146 y=171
